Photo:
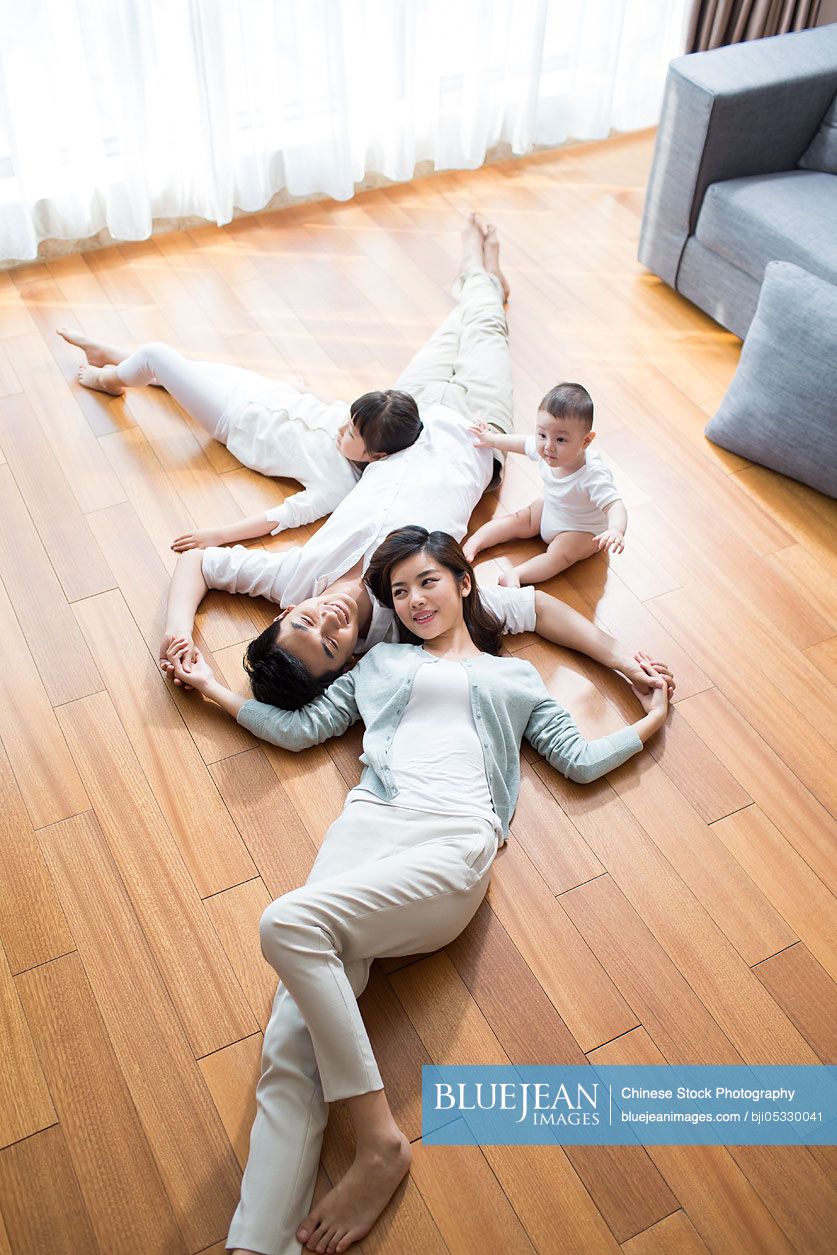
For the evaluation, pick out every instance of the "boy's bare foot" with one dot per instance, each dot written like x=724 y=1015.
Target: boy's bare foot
x=509 y=579
x=97 y=354
x=491 y=252
x=473 y=234
x=348 y=1212
x=101 y=379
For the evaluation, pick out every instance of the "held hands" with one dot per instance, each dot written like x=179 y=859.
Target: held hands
x=483 y=438
x=650 y=669
x=611 y=540
x=654 y=698
x=179 y=644
x=187 y=665
x=200 y=538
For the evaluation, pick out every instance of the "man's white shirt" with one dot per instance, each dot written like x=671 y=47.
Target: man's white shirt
x=435 y=483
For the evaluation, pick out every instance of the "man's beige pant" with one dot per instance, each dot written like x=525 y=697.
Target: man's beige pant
x=466 y=362
x=387 y=881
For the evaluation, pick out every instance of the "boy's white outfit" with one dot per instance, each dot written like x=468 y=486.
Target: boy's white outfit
x=277 y=430
x=269 y=425
x=576 y=502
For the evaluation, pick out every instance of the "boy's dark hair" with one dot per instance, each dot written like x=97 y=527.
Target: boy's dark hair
x=277 y=676
x=386 y=421
x=569 y=400
x=484 y=628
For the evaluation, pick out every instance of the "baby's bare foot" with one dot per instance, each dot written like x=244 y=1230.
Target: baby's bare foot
x=348 y=1212
x=492 y=258
x=509 y=579
x=101 y=379
x=97 y=354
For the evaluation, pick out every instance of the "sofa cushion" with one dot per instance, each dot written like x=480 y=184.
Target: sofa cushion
x=791 y=216
x=821 y=153
x=781 y=407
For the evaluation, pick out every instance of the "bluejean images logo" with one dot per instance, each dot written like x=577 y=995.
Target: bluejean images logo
x=620 y=1106
x=537 y=1101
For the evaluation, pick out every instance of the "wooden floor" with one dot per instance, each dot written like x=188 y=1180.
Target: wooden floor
x=678 y=911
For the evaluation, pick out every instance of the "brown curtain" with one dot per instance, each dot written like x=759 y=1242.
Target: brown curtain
x=714 y=23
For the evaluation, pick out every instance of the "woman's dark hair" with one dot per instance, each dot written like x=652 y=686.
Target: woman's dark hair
x=278 y=677
x=386 y=421
x=485 y=628
x=569 y=400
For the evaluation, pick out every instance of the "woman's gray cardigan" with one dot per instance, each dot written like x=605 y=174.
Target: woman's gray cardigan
x=508 y=699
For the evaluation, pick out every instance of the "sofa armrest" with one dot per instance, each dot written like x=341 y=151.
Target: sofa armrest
x=750 y=108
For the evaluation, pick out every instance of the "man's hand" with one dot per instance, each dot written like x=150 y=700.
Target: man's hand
x=483 y=436
x=611 y=540
x=200 y=538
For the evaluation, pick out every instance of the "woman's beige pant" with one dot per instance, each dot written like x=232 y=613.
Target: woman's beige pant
x=387 y=881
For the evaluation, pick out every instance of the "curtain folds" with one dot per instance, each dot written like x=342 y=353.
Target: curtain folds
x=714 y=23
x=116 y=112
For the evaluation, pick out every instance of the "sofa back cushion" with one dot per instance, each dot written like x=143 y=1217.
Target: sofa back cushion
x=781 y=407
x=821 y=153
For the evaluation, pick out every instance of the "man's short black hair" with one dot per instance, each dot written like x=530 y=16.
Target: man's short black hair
x=278 y=677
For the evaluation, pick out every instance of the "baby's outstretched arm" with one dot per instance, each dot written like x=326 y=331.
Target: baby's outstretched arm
x=612 y=539
x=485 y=438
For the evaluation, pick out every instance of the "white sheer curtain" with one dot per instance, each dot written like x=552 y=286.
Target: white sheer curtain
x=116 y=112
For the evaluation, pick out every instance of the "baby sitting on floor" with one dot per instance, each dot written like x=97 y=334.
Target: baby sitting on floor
x=580 y=512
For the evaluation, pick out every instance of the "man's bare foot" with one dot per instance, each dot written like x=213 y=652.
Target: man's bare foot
x=97 y=354
x=509 y=579
x=473 y=234
x=101 y=379
x=491 y=252
x=348 y=1212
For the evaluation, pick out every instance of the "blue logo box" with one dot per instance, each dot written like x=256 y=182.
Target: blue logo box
x=623 y=1106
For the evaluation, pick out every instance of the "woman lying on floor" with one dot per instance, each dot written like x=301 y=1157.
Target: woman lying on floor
x=401 y=871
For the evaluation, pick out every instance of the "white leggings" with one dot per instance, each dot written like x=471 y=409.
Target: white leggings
x=202 y=389
x=387 y=881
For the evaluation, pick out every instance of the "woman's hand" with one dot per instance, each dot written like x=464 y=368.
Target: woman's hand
x=655 y=701
x=200 y=538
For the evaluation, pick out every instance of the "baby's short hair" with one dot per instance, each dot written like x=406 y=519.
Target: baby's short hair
x=569 y=400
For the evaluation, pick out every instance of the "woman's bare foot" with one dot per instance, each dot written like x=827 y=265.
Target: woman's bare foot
x=101 y=379
x=348 y=1212
x=491 y=252
x=97 y=354
x=473 y=234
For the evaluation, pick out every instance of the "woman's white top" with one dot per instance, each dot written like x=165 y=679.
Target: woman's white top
x=574 y=503
x=277 y=430
x=436 y=757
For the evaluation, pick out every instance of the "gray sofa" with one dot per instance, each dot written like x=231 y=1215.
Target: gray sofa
x=726 y=195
